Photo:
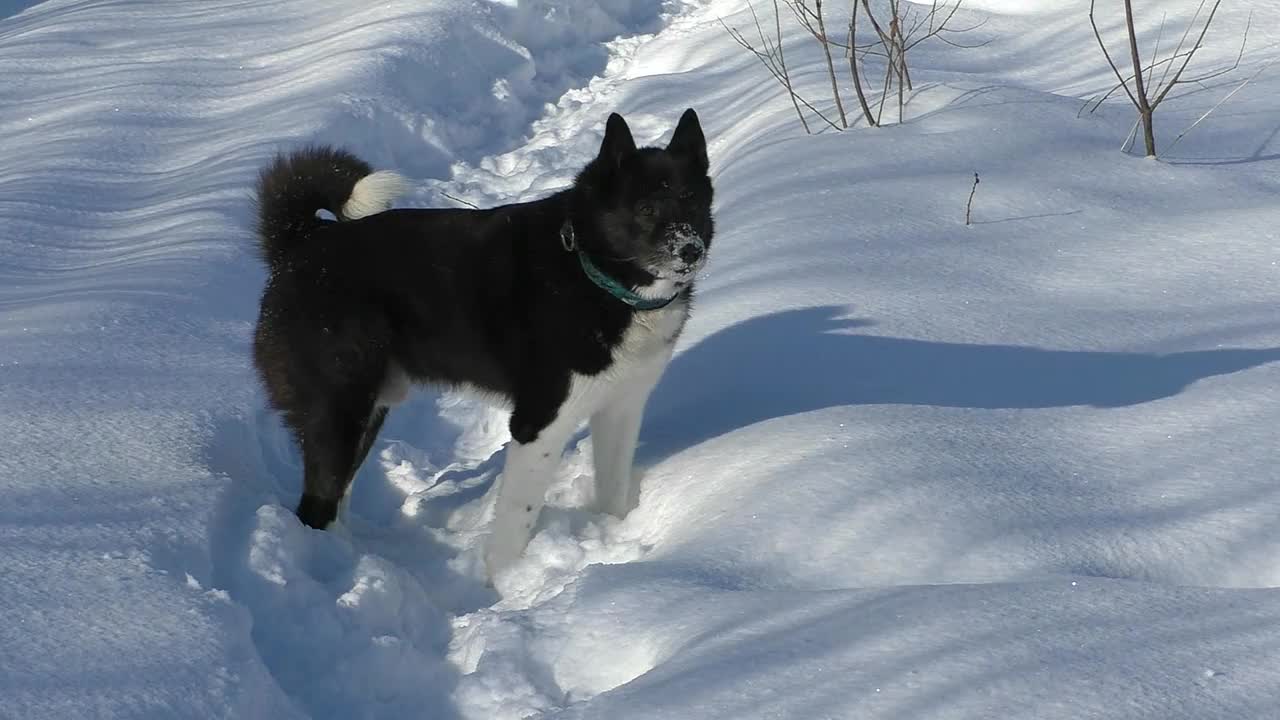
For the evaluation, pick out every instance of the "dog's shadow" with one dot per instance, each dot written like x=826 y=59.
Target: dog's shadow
x=808 y=359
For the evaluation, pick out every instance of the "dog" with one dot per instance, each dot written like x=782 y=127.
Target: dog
x=567 y=308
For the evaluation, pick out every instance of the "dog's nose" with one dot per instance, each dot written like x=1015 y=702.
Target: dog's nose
x=690 y=253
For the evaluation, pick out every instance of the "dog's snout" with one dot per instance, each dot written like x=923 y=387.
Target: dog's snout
x=691 y=252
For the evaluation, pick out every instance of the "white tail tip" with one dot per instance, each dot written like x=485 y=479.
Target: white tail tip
x=373 y=194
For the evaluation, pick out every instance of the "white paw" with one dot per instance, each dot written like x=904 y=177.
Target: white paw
x=502 y=551
x=617 y=504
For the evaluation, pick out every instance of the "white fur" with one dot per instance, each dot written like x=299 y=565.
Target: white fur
x=374 y=193
x=614 y=403
x=662 y=287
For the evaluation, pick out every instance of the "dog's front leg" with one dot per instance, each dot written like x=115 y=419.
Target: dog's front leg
x=615 y=432
x=541 y=425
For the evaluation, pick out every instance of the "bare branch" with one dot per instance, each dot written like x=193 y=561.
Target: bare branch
x=1183 y=40
x=1216 y=106
x=1156 y=52
x=971 y=28
x=1136 y=59
x=1239 y=56
x=962 y=46
x=1114 y=88
x=907 y=25
x=884 y=96
x=1191 y=53
x=968 y=208
x=807 y=17
x=460 y=201
x=884 y=37
x=1097 y=34
x=1133 y=135
x=776 y=65
x=852 y=55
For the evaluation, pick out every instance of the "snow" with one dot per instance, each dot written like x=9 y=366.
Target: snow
x=899 y=467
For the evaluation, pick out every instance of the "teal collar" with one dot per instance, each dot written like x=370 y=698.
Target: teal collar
x=602 y=279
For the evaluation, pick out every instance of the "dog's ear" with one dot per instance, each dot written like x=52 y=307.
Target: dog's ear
x=688 y=140
x=617 y=140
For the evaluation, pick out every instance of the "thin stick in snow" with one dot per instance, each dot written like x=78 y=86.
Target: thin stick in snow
x=968 y=208
x=460 y=201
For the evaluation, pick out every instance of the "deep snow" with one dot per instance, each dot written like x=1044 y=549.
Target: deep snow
x=899 y=468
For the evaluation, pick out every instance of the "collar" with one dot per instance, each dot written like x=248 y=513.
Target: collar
x=602 y=279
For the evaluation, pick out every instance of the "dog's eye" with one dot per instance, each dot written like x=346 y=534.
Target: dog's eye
x=646 y=209
x=665 y=185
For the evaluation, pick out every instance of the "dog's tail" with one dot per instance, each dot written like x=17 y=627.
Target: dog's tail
x=294 y=187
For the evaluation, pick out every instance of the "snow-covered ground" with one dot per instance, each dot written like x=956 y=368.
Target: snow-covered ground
x=899 y=468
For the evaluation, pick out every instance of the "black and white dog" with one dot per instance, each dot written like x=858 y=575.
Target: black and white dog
x=566 y=307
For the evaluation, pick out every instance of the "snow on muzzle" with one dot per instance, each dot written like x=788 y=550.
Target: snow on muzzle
x=684 y=249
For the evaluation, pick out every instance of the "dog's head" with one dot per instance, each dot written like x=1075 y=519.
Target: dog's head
x=651 y=207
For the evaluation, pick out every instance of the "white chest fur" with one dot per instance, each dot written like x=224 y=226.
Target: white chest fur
x=638 y=360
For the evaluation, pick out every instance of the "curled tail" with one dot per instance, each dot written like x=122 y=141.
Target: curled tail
x=297 y=185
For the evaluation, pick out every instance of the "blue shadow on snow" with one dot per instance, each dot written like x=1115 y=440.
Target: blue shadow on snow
x=808 y=359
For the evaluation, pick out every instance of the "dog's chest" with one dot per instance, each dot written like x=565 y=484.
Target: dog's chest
x=636 y=360
x=650 y=334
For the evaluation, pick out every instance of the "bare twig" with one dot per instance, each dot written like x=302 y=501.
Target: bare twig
x=1107 y=96
x=1133 y=135
x=770 y=57
x=900 y=67
x=1156 y=52
x=1097 y=34
x=851 y=54
x=968 y=208
x=1216 y=105
x=906 y=26
x=460 y=201
x=1183 y=40
x=807 y=17
x=1239 y=56
x=884 y=95
x=1190 y=54
x=900 y=44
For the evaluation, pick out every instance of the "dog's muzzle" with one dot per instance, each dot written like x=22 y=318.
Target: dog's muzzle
x=686 y=246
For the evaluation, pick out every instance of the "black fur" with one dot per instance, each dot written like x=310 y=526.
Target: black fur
x=488 y=298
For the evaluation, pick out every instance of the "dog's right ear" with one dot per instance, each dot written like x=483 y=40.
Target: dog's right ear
x=617 y=140
x=689 y=141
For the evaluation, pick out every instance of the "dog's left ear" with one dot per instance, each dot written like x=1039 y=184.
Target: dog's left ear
x=688 y=140
x=617 y=140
